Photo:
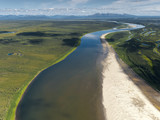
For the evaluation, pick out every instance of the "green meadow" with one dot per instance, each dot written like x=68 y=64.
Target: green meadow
x=140 y=49
x=28 y=47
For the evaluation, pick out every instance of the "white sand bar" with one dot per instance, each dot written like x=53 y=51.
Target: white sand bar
x=122 y=99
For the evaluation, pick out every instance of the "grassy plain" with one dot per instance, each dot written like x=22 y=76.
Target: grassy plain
x=31 y=47
x=140 y=50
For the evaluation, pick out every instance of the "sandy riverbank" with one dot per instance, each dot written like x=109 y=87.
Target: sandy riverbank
x=132 y=25
x=122 y=99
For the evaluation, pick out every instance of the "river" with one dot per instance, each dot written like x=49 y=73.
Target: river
x=71 y=89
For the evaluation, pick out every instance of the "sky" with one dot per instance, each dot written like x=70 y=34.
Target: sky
x=135 y=7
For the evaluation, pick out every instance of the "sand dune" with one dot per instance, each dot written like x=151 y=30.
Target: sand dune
x=122 y=99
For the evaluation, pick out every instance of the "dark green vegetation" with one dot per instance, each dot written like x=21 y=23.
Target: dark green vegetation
x=27 y=47
x=140 y=50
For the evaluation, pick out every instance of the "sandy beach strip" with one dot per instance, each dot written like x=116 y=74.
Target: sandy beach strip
x=132 y=25
x=122 y=99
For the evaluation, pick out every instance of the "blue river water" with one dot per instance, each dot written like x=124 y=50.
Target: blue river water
x=71 y=89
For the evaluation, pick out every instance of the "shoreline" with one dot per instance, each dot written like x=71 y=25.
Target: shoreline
x=11 y=114
x=122 y=97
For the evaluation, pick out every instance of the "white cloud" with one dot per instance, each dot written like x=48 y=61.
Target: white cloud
x=137 y=7
x=74 y=3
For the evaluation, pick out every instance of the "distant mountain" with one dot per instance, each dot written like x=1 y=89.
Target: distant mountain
x=111 y=15
x=23 y=17
x=43 y=17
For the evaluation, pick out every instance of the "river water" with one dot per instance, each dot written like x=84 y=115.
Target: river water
x=71 y=89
